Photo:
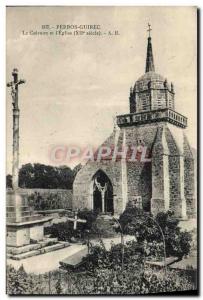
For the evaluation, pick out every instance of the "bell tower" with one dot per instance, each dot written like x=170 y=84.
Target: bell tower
x=151 y=91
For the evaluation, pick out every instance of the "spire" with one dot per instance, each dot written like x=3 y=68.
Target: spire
x=149 y=59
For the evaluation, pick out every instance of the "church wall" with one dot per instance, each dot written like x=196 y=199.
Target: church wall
x=83 y=186
x=189 y=175
x=160 y=173
x=175 y=188
x=139 y=173
x=157 y=200
x=189 y=186
x=174 y=141
x=139 y=182
x=168 y=179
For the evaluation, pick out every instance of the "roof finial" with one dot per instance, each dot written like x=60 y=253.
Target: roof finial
x=149 y=25
x=149 y=59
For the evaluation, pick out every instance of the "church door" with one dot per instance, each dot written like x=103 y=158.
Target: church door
x=102 y=193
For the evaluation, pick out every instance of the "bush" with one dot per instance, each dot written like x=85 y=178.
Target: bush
x=64 y=231
x=144 y=227
x=135 y=278
x=18 y=282
x=99 y=257
x=105 y=280
x=90 y=217
x=133 y=282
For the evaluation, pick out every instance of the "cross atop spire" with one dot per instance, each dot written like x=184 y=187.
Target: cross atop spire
x=149 y=60
x=149 y=25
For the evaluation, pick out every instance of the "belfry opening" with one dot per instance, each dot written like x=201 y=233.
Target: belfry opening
x=102 y=193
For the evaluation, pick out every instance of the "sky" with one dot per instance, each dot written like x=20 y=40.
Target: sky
x=76 y=85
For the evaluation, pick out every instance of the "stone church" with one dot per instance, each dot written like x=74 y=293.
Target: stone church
x=164 y=181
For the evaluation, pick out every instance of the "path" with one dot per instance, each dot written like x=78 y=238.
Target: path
x=50 y=261
x=45 y=262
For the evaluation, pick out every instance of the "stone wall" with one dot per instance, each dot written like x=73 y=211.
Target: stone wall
x=64 y=197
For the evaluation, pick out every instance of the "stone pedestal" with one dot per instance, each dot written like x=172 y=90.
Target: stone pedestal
x=24 y=233
x=25 y=229
x=23 y=226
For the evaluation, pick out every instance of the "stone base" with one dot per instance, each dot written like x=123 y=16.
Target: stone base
x=21 y=234
x=31 y=247
x=45 y=246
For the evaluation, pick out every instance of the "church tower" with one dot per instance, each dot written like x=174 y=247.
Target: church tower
x=164 y=181
x=151 y=91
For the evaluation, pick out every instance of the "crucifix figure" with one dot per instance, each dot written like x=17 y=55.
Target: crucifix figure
x=102 y=190
x=16 y=114
x=149 y=29
x=76 y=220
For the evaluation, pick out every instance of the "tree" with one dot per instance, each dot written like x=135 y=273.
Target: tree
x=26 y=176
x=65 y=177
x=45 y=177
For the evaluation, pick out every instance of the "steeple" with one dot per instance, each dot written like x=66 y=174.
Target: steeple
x=149 y=59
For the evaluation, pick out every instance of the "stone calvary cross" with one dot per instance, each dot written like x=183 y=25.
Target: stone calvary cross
x=76 y=220
x=14 y=85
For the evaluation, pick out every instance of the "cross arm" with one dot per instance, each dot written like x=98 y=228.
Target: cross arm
x=71 y=219
x=9 y=84
x=21 y=81
x=81 y=221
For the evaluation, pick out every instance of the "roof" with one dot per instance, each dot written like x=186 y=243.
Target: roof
x=151 y=76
